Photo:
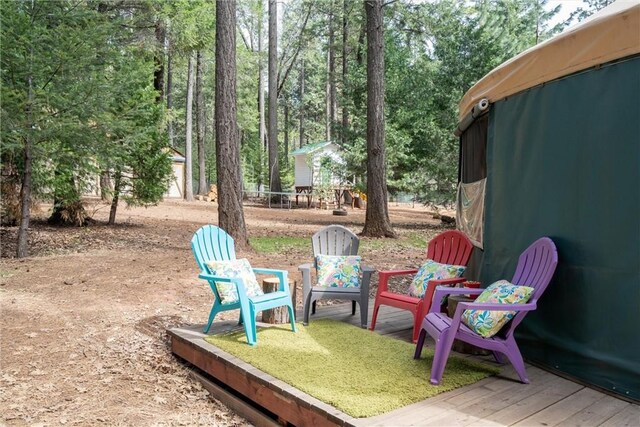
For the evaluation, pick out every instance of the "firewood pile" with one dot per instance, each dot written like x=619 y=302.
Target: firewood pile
x=212 y=196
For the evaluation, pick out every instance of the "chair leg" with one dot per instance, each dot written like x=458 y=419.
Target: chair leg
x=498 y=356
x=374 y=317
x=254 y=331
x=292 y=318
x=417 y=324
x=364 y=310
x=249 y=319
x=420 y=343
x=441 y=355
x=212 y=314
x=313 y=310
x=513 y=353
x=353 y=307
x=305 y=312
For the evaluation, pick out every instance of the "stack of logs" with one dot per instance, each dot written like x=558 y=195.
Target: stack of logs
x=211 y=197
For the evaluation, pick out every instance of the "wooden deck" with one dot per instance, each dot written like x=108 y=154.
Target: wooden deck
x=496 y=401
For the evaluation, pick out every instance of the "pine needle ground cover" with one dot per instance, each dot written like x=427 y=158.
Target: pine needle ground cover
x=361 y=373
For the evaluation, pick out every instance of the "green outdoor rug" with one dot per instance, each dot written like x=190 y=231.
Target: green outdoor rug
x=360 y=372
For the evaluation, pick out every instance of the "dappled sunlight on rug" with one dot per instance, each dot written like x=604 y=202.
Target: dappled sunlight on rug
x=360 y=372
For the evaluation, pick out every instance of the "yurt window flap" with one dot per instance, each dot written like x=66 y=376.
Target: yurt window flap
x=470 y=210
x=472 y=180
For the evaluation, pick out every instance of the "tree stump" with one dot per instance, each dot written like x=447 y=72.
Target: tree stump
x=279 y=314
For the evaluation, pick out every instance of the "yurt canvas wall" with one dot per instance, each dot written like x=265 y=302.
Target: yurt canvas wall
x=560 y=151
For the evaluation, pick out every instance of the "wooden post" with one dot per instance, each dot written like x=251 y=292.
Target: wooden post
x=279 y=314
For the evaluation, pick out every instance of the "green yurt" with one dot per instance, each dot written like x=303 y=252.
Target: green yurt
x=550 y=146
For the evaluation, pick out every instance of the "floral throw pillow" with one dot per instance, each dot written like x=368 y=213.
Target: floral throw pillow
x=338 y=271
x=234 y=268
x=487 y=323
x=431 y=270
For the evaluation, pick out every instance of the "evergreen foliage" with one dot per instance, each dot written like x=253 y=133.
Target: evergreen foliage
x=78 y=99
x=92 y=106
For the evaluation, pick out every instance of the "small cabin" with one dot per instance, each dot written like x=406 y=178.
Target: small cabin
x=308 y=165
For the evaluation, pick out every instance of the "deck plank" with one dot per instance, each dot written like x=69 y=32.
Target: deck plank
x=597 y=413
x=563 y=409
x=500 y=400
x=544 y=395
x=629 y=416
x=481 y=403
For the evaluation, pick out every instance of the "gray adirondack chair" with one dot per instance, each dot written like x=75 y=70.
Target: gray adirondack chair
x=334 y=240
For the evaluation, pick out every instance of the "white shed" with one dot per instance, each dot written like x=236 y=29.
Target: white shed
x=176 y=187
x=308 y=160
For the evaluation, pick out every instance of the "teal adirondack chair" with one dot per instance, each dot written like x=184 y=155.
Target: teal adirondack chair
x=211 y=243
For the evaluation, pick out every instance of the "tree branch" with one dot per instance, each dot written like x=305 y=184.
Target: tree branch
x=295 y=56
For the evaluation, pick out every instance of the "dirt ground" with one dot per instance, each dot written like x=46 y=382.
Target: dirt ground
x=83 y=319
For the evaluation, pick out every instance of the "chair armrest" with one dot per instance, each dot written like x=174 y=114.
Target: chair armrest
x=448 y=282
x=207 y=276
x=383 y=277
x=272 y=271
x=496 y=306
x=306 y=266
x=429 y=294
x=462 y=306
x=367 y=269
x=305 y=269
x=366 y=278
x=237 y=281
x=280 y=274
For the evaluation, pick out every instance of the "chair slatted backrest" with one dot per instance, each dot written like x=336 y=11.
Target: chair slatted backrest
x=335 y=240
x=450 y=247
x=535 y=269
x=212 y=243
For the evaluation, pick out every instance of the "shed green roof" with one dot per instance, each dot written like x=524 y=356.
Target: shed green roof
x=310 y=148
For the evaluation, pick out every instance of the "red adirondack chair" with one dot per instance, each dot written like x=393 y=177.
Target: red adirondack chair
x=450 y=247
x=535 y=268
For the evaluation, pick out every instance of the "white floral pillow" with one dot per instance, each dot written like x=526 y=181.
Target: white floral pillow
x=339 y=271
x=486 y=322
x=234 y=268
x=431 y=270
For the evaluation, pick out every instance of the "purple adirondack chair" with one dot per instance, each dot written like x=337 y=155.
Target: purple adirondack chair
x=536 y=266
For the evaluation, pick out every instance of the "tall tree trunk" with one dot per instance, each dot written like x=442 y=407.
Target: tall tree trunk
x=201 y=122
x=327 y=104
x=170 y=130
x=105 y=186
x=188 y=190
x=261 y=106
x=230 y=212
x=22 y=249
x=302 y=111
x=286 y=133
x=274 y=169
x=333 y=94
x=345 y=39
x=158 y=73
x=117 y=183
x=377 y=223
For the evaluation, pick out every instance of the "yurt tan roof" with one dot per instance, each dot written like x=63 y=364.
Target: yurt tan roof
x=610 y=34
